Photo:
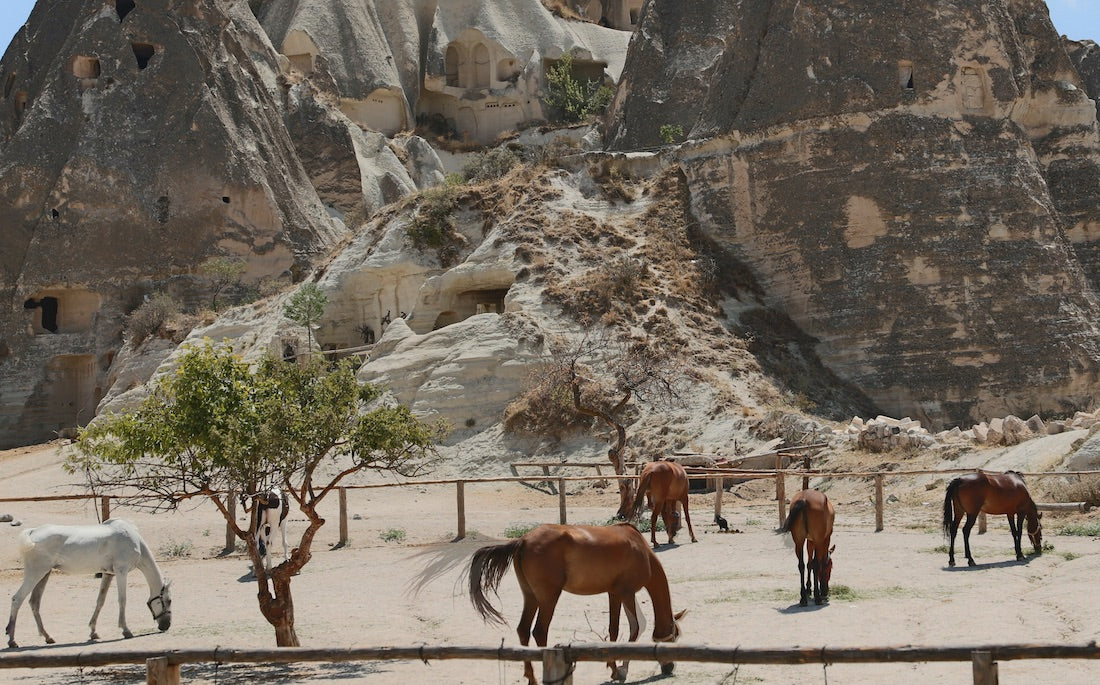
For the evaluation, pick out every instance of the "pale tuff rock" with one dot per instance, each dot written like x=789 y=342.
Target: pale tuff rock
x=883 y=433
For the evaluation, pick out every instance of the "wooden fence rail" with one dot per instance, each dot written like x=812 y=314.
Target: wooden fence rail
x=163 y=667
x=719 y=476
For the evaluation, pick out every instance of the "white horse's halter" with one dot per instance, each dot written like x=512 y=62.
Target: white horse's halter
x=165 y=607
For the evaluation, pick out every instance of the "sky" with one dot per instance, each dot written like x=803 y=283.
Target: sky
x=1077 y=19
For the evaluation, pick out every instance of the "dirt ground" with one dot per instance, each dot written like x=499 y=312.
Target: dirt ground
x=740 y=588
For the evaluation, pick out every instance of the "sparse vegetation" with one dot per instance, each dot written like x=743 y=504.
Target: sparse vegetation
x=305 y=308
x=222 y=272
x=1085 y=489
x=670 y=133
x=574 y=99
x=392 y=535
x=150 y=316
x=173 y=549
x=490 y=165
x=433 y=224
x=1086 y=529
x=518 y=530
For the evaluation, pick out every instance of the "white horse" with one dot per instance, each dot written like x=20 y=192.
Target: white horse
x=272 y=508
x=112 y=548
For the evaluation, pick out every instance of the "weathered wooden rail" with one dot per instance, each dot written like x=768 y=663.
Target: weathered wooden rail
x=779 y=476
x=163 y=667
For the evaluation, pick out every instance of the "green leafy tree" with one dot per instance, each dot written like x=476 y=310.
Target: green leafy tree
x=305 y=308
x=222 y=272
x=670 y=133
x=575 y=99
x=222 y=425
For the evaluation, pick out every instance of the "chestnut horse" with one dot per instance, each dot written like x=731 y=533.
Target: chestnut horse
x=993 y=493
x=582 y=560
x=663 y=483
x=810 y=523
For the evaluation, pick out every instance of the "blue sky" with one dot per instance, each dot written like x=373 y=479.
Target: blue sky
x=1077 y=19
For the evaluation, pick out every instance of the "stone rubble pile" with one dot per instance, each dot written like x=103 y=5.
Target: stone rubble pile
x=884 y=433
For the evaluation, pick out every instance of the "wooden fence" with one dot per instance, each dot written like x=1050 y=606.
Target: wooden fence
x=163 y=667
x=719 y=476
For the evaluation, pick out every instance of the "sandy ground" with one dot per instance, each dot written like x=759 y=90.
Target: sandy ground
x=891 y=588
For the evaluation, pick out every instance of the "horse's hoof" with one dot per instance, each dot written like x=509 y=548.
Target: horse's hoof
x=803 y=603
x=951 y=563
x=618 y=674
x=971 y=562
x=127 y=634
x=93 y=637
x=12 y=645
x=667 y=669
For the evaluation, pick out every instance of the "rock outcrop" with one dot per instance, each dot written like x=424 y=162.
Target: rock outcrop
x=136 y=140
x=922 y=202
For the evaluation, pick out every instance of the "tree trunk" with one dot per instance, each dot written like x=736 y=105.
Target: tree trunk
x=615 y=454
x=276 y=600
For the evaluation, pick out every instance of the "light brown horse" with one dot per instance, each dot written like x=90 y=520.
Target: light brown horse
x=582 y=560
x=993 y=493
x=663 y=484
x=810 y=523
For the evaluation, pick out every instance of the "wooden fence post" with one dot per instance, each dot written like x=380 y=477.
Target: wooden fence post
x=985 y=669
x=104 y=508
x=554 y=667
x=806 y=467
x=461 y=494
x=561 y=500
x=159 y=672
x=719 y=487
x=981 y=523
x=781 y=497
x=230 y=536
x=878 y=502
x=343 y=492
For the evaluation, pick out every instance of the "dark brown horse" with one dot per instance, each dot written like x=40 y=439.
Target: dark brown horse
x=582 y=560
x=810 y=523
x=663 y=484
x=993 y=493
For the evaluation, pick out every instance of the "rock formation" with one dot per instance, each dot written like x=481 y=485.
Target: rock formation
x=914 y=184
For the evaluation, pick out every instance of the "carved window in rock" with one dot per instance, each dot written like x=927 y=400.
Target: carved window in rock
x=973 y=93
x=143 y=52
x=481 y=66
x=84 y=67
x=905 y=75
x=62 y=310
x=124 y=7
x=451 y=66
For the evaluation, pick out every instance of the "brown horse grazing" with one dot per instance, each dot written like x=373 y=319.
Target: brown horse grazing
x=663 y=484
x=993 y=493
x=583 y=560
x=810 y=522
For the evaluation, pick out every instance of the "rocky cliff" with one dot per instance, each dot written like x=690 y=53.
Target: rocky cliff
x=914 y=183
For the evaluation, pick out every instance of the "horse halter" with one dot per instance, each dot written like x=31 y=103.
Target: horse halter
x=165 y=605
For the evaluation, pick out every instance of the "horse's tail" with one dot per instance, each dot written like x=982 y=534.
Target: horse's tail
x=639 y=499
x=799 y=507
x=488 y=566
x=948 y=506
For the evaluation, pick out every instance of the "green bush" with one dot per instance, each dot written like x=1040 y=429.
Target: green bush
x=433 y=225
x=393 y=535
x=670 y=133
x=518 y=530
x=572 y=98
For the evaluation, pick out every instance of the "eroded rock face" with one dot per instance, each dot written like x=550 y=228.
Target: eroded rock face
x=1085 y=55
x=904 y=195
x=136 y=140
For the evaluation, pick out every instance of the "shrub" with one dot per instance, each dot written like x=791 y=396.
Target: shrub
x=150 y=315
x=393 y=535
x=490 y=165
x=433 y=225
x=670 y=133
x=572 y=98
x=518 y=530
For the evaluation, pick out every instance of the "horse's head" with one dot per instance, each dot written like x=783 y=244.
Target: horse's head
x=827 y=571
x=1036 y=534
x=160 y=605
x=671 y=516
x=667 y=666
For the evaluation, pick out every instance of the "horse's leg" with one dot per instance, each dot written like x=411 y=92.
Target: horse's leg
x=282 y=530
x=687 y=517
x=523 y=629
x=120 y=583
x=36 y=602
x=803 y=594
x=970 y=519
x=653 y=524
x=815 y=573
x=959 y=513
x=103 y=585
x=1016 y=527
x=615 y=606
x=636 y=622
x=31 y=579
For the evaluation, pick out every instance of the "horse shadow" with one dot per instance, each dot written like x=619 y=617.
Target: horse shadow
x=656 y=677
x=799 y=609
x=1008 y=563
